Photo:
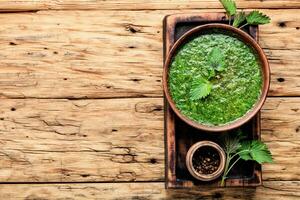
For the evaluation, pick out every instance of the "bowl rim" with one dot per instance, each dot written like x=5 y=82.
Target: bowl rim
x=244 y=37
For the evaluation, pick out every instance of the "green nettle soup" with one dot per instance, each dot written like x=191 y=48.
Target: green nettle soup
x=231 y=92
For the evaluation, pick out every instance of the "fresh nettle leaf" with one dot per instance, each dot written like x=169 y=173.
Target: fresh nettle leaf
x=237 y=149
x=216 y=59
x=255 y=150
x=239 y=19
x=210 y=73
x=231 y=145
x=244 y=150
x=200 y=89
x=255 y=18
x=229 y=6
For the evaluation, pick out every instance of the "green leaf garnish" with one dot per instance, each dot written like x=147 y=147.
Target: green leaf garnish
x=231 y=145
x=229 y=6
x=255 y=150
x=255 y=18
x=200 y=89
x=216 y=59
x=210 y=73
x=239 y=19
x=236 y=148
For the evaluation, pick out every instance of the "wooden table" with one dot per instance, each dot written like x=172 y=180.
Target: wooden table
x=81 y=112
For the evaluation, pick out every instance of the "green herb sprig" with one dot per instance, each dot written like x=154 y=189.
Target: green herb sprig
x=230 y=7
x=253 y=18
x=239 y=19
x=237 y=148
x=216 y=59
x=201 y=87
x=256 y=18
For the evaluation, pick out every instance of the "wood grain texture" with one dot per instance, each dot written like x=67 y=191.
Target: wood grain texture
x=24 y=5
x=116 y=140
x=114 y=49
x=112 y=191
x=88 y=140
x=281 y=128
x=92 y=54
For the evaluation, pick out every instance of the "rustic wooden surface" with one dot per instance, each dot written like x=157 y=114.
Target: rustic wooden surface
x=45 y=54
x=81 y=100
x=274 y=190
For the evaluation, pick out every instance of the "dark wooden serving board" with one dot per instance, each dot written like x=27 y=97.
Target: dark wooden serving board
x=180 y=136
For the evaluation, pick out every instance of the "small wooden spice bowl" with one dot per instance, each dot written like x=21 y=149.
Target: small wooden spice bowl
x=243 y=36
x=205 y=153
